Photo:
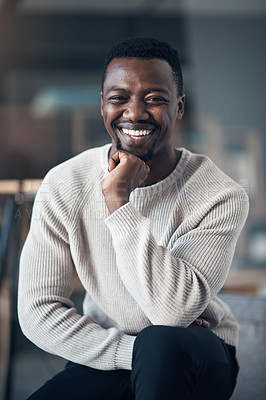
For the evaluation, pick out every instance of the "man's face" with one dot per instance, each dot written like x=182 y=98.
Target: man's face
x=140 y=106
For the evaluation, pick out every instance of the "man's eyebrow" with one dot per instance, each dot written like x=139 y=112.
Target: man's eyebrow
x=116 y=89
x=147 y=91
x=160 y=90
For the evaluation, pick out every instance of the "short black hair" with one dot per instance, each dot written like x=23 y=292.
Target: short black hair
x=147 y=48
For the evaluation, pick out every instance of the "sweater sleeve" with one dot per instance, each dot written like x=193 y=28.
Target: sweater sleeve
x=173 y=284
x=47 y=315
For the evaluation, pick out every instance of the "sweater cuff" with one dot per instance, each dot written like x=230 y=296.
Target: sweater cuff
x=130 y=217
x=124 y=351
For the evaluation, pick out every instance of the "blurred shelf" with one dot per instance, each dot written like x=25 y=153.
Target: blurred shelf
x=26 y=186
x=251 y=281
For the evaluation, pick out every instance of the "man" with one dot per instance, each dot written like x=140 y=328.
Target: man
x=151 y=231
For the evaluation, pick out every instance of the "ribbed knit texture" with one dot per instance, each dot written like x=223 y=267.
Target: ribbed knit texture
x=160 y=259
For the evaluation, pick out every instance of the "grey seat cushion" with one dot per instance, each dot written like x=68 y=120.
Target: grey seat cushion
x=250 y=312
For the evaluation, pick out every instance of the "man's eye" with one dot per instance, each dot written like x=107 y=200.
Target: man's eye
x=155 y=99
x=117 y=99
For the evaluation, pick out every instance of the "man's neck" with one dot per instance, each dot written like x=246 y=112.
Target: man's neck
x=160 y=170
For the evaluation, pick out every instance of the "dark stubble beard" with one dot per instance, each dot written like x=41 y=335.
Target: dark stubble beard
x=145 y=157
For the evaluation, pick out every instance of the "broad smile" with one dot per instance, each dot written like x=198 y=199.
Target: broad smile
x=135 y=133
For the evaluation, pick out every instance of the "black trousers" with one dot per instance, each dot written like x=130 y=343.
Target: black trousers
x=169 y=363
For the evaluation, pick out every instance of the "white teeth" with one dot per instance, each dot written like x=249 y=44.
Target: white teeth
x=133 y=132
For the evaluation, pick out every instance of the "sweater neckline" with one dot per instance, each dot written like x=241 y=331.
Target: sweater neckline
x=161 y=185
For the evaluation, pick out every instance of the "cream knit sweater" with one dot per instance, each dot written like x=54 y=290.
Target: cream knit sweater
x=160 y=259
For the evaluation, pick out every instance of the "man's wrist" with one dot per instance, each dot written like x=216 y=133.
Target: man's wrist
x=115 y=204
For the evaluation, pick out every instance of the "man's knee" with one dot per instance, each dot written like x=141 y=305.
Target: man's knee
x=161 y=361
x=159 y=342
x=176 y=343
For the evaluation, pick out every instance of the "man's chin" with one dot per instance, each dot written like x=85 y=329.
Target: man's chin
x=143 y=156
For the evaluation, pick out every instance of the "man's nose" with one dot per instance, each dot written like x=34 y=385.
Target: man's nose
x=136 y=110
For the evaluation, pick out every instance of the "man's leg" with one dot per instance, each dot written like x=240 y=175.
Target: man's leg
x=181 y=363
x=77 y=382
x=168 y=363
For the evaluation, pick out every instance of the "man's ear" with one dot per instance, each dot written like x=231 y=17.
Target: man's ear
x=181 y=106
x=101 y=93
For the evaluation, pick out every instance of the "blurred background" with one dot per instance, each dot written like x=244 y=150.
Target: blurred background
x=51 y=59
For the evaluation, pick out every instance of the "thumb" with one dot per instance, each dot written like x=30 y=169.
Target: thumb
x=112 y=164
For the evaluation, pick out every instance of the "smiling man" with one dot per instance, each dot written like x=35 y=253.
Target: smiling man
x=151 y=231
